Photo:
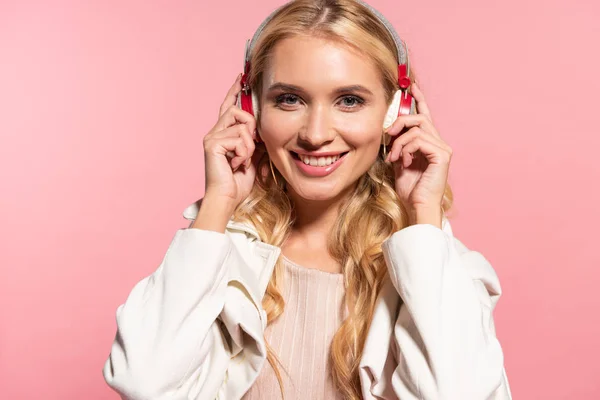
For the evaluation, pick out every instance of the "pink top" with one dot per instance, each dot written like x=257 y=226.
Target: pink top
x=301 y=336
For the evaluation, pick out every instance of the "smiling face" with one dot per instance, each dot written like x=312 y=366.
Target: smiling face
x=321 y=97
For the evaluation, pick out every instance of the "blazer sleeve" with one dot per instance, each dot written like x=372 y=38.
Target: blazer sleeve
x=444 y=335
x=170 y=343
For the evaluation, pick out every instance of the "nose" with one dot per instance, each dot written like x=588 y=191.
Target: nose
x=318 y=129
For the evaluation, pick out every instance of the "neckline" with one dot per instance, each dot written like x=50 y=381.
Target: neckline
x=310 y=271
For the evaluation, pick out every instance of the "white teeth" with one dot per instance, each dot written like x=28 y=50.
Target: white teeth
x=318 y=161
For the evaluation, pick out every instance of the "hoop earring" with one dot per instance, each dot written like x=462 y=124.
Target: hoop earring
x=384 y=155
x=272 y=172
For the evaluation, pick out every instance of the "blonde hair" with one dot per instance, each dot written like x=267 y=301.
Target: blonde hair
x=370 y=215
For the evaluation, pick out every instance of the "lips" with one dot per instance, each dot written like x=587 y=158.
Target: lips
x=318 y=161
x=317 y=171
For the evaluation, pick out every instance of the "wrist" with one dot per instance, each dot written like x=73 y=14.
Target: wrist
x=226 y=204
x=214 y=214
x=426 y=215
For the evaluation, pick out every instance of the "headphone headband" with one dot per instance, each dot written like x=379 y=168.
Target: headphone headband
x=400 y=45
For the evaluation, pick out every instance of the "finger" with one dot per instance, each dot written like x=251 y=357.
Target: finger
x=407 y=121
x=233 y=116
x=233 y=132
x=249 y=142
x=234 y=147
x=238 y=132
x=422 y=107
x=428 y=149
x=406 y=137
x=231 y=97
x=419 y=131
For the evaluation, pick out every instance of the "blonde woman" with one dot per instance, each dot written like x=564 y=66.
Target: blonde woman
x=319 y=264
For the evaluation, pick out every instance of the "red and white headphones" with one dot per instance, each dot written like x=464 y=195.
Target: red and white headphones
x=402 y=104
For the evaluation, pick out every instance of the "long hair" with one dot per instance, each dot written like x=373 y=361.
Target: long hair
x=370 y=215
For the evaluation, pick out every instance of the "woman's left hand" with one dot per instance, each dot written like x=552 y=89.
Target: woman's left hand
x=421 y=158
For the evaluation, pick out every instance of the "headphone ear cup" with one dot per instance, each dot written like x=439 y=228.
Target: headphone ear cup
x=239 y=100
x=402 y=104
x=248 y=103
x=254 y=105
x=245 y=102
x=407 y=105
x=255 y=113
x=391 y=115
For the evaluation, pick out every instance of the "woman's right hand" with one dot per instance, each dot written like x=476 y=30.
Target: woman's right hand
x=230 y=177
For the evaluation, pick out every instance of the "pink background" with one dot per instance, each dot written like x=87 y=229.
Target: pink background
x=103 y=106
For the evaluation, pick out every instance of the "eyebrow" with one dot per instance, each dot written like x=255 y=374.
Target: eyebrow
x=343 y=89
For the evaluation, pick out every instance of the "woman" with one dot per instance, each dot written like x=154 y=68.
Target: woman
x=316 y=247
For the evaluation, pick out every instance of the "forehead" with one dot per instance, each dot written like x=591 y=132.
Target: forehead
x=313 y=62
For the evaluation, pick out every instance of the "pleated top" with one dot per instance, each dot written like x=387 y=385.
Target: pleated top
x=301 y=336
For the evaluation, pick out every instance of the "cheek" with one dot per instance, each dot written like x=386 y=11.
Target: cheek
x=277 y=127
x=361 y=133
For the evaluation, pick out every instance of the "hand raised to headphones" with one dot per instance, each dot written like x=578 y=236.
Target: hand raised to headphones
x=420 y=156
x=229 y=152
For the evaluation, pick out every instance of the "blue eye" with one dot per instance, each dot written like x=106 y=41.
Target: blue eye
x=285 y=99
x=354 y=101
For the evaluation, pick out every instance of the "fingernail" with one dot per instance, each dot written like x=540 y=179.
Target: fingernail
x=248 y=163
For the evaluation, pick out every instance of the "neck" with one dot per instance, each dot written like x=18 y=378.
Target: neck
x=314 y=219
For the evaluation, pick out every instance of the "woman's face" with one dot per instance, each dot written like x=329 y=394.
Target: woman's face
x=321 y=97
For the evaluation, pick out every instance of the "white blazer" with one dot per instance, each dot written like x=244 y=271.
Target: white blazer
x=194 y=328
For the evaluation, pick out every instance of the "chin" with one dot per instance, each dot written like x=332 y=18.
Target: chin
x=317 y=196
x=316 y=191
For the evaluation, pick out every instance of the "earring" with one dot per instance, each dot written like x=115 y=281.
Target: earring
x=383 y=144
x=272 y=172
x=384 y=155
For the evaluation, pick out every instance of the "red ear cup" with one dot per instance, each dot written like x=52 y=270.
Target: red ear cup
x=246 y=97
x=404 y=102
x=407 y=104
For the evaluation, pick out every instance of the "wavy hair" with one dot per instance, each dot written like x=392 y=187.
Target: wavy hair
x=369 y=216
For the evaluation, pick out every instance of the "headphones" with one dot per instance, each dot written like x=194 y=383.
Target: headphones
x=402 y=103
